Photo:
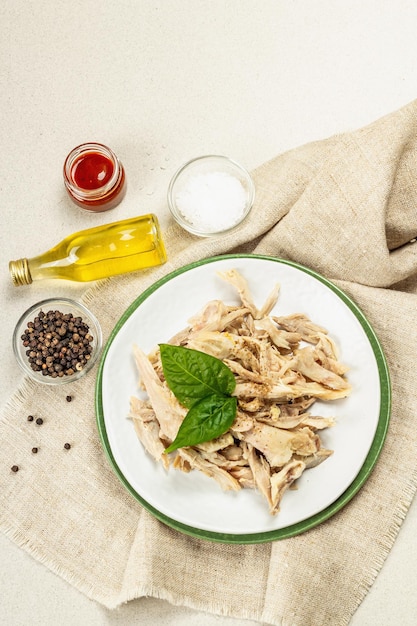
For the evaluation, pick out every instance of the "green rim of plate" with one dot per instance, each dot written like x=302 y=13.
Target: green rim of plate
x=318 y=518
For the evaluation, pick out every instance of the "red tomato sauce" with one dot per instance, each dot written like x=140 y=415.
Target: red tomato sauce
x=92 y=170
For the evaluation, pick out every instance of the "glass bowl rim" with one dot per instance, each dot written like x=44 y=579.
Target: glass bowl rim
x=250 y=193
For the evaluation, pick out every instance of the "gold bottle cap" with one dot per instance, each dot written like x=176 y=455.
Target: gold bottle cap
x=20 y=272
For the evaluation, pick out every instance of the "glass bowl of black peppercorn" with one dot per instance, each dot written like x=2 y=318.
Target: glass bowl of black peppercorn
x=57 y=341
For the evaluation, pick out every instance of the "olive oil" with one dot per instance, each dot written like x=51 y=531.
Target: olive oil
x=99 y=252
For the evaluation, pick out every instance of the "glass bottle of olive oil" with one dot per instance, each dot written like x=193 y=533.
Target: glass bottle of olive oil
x=98 y=252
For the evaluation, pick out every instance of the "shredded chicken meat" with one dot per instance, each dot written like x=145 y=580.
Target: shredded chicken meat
x=282 y=366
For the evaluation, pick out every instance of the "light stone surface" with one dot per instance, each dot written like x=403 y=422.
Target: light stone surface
x=161 y=83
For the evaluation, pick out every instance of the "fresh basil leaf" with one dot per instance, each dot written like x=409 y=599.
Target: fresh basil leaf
x=207 y=419
x=192 y=375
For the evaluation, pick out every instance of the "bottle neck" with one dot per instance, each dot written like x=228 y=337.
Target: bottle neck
x=20 y=272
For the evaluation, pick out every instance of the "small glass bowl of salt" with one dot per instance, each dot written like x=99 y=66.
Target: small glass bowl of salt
x=210 y=195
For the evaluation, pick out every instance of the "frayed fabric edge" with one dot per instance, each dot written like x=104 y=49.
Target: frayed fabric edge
x=386 y=542
x=149 y=591
x=74 y=581
x=88 y=296
x=25 y=390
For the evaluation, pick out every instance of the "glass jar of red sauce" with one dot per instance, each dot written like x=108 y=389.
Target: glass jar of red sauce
x=94 y=177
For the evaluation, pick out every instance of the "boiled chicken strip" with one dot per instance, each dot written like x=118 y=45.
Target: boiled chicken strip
x=301 y=324
x=295 y=408
x=168 y=410
x=141 y=408
x=281 y=338
x=244 y=477
x=220 y=345
x=196 y=461
x=232 y=453
x=260 y=470
x=209 y=317
x=147 y=431
x=327 y=356
x=284 y=392
x=239 y=282
x=224 y=441
x=277 y=444
x=306 y=364
x=269 y=303
x=314 y=422
x=314 y=459
x=282 y=480
x=216 y=458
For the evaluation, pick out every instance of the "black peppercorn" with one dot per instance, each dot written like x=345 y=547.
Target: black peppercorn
x=35 y=450
x=68 y=398
x=39 y=421
x=58 y=344
x=67 y=446
x=15 y=468
x=30 y=418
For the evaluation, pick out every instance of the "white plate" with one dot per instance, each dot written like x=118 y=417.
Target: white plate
x=194 y=503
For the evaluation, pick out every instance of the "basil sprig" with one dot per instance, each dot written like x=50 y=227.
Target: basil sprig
x=203 y=384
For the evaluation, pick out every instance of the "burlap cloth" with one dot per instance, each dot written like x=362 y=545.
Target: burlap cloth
x=345 y=207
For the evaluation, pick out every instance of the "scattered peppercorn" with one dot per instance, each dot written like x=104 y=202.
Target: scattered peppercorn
x=35 y=450
x=58 y=344
x=30 y=418
x=67 y=446
x=68 y=398
x=15 y=468
x=39 y=421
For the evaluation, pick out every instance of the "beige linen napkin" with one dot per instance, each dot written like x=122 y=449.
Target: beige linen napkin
x=345 y=207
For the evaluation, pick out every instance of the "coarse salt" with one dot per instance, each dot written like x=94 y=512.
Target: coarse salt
x=212 y=202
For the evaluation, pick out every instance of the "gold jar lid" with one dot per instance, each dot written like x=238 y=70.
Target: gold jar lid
x=20 y=272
